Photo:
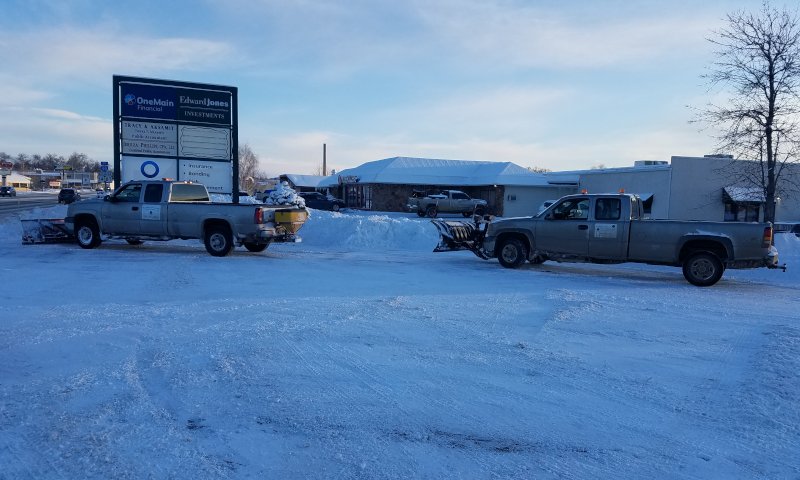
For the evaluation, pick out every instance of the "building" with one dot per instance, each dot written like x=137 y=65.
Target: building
x=18 y=181
x=711 y=188
x=385 y=185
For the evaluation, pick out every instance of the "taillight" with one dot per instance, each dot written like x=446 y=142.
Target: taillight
x=259 y=216
x=766 y=242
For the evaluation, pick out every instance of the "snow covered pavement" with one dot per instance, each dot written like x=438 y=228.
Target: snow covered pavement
x=359 y=353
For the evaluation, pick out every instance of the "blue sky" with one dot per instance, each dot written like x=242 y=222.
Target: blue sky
x=555 y=84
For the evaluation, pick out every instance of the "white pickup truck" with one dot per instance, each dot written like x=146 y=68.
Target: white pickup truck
x=448 y=201
x=166 y=210
x=610 y=228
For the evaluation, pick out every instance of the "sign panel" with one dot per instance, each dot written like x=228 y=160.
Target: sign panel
x=148 y=101
x=216 y=176
x=149 y=168
x=204 y=142
x=204 y=106
x=149 y=138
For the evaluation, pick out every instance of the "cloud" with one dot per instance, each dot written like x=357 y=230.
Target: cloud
x=525 y=35
x=41 y=131
x=58 y=54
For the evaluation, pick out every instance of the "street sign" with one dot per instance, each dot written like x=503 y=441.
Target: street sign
x=103 y=166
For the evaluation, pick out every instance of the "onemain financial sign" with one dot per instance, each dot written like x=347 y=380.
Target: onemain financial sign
x=179 y=130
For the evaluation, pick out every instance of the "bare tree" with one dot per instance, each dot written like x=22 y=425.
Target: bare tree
x=248 y=166
x=758 y=64
x=535 y=169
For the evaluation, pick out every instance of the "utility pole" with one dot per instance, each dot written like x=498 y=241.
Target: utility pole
x=324 y=160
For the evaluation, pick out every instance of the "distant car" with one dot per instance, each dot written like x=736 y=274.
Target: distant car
x=322 y=202
x=100 y=193
x=8 y=191
x=68 y=195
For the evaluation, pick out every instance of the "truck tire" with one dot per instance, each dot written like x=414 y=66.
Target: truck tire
x=335 y=207
x=512 y=253
x=87 y=233
x=702 y=269
x=218 y=241
x=431 y=211
x=255 y=247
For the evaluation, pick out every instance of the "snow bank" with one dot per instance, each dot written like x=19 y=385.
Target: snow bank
x=368 y=231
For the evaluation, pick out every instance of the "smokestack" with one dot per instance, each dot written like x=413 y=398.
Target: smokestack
x=324 y=160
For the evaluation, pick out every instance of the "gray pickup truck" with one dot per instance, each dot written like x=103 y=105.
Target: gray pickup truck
x=448 y=201
x=609 y=228
x=166 y=210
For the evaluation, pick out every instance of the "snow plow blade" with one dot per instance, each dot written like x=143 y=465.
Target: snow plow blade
x=456 y=235
x=45 y=230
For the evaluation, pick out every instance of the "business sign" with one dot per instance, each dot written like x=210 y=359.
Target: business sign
x=148 y=101
x=149 y=138
x=204 y=106
x=178 y=130
x=148 y=168
x=215 y=175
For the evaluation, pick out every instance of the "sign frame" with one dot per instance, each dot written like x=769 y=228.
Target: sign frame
x=150 y=102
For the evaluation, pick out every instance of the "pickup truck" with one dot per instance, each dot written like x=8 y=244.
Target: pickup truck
x=166 y=210
x=610 y=228
x=448 y=201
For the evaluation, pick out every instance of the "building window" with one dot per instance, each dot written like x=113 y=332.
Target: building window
x=741 y=212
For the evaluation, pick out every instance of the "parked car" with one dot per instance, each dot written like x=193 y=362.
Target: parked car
x=322 y=202
x=8 y=191
x=68 y=195
x=99 y=193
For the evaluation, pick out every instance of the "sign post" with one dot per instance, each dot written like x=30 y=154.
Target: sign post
x=179 y=130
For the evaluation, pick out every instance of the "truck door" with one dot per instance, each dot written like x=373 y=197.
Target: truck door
x=565 y=229
x=122 y=211
x=609 y=231
x=153 y=217
x=460 y=202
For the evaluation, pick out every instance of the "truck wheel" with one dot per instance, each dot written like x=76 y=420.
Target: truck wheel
x=431 y=212
x=702 y=269
x=255 y=247
x=335 y=207
x=512 y=253
x=218 y=241
x=87 y=234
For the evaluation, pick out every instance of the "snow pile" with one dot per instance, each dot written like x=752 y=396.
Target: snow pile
x=227 y=198
x=285 y=195
x=368 y=231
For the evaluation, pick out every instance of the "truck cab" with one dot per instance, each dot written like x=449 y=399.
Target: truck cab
x=595 y=226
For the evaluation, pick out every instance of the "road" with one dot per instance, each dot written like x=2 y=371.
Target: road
x=26 y=201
